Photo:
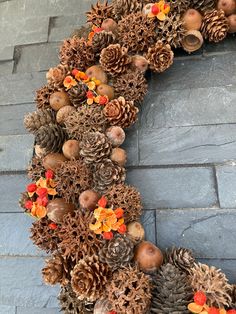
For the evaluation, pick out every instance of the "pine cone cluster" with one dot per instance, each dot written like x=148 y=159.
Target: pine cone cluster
x=43 y=96
x=33 y=121
x=99 y=12
x=181 y=258
x=95 y=147
x=56 y=270
x=55 y=76
x=203 y=5
x=121 y=112
x=122 y=8
x=89 y=278
x=102 y=40
x=160 y=57
x=215 y=26
x=115 y=59
x=78 y=94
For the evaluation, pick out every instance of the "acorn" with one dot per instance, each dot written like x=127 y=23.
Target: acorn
x=63 y=113
x=119 y=155
x=53 y=160
x=96 y=71
x=192 y=20
x=140 y=63
x=71 y=149
x=148 y=256
x=135 y=231
x=59 y=100
x=107 y=90
x=57 y=208
x=192 y=41
x=116 y=135
x=228 y=6
x=39 y=151
x=232 y=23
x=89 y=199
x=109 y=25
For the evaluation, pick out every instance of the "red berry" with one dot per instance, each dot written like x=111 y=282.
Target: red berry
x=98 y=29
x=103 y=100
x=107 y=235
x=122 y=229
x=68 y=79
x=119 y=212
x=231 y=312
x=111 y=312
x=200 y=298
x=31 y=187
x=42 y=192
x=155 y=9
x=28 y=204
x=102 y=202
x=75 y=72
x=213 y=310
x=52 y=226
x=49 y=174
x=90 y=94
x=42 y=201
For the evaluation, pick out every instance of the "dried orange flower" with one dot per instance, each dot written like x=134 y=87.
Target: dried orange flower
x=69 y=82
x=159 y=10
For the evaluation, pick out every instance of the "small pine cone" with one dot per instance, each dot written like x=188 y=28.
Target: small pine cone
x=181 y=258
x=115 y=59
x=121 y=112
x=132 y=86
x=36 y=169
x=43 y=96
x=33 y=121
x=203 y=5
x=99 y=12
x=76 y=53
x=89 y=278
x=215 y=26
x=55 y=76
x=95 y=146
x=78 y=94
x=107 y=173
x=129 y=291
x=55 y=270
x=117 y=252
x=122 y=8
x=102 y=40
x=51 y=137
x=128 y=198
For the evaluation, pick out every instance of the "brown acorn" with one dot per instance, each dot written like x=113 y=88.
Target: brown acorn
x=59 y=100
x=135 y=231
x=192 y=20
x=71 y=149
x=97 y=72
x=148 y=256
x=119 y=155
x=192 y=41
x=232 y=23
x=89 y=199
x=63 y=113
x=140 y=63
x=228 y=6
x=58 y=208
x=107 y=90
x=53 y=160
x=116 y=135
x=109 y=25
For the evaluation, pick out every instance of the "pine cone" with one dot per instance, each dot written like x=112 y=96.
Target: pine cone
x=36 y=169
x=117 y=252
x=70 y=304
x=160 y=57
x=102 y=40
x=78 y=94
x=76 y=53
x=121 y=112
x=132 y=86
x=181 y=258
x=99 y=12
x=128 y=198
x=172 y=291
x=76 y=239
x=85 y=119
x=51 y=137
x=137 y=32
x=179 y=6
x=33 y=121
x=122 y=8
x=89 y=278
x=55 y=271
x=215 y=26
x=72 y=178
x=95 y=146
x=203 y=5
x=213 y=283
x=55 y=76
x=43 y=96
x=129 y=291
x=233 y=296
x=115 y=59
x=107 y=173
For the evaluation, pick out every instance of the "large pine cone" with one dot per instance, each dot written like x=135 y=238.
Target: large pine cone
x=43 y=96
x=99 y=12
x=213 y=283
x=51 y=137
x=89 y=278
x=102 y=40
x=129 y=291
x=132 y=85
x=36 y=169
x=203 y=5
x=33 y=121
x=121 y=112
x=115 y=59
x=181 y=258
x=215 y=26
x=117 y=252
x=78 y=94
x=95 y=146
x=55 y=76
x=56 y=270
x=107 y=173
x=160 y=57
x=122 y=8
x=172 y=291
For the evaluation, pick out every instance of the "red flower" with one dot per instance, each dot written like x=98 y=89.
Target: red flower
x=122 y=229
x=31 y=187
x=231 y=312
x=75 y=72
x=200 y=298
x=119 y=212
x=102 y=202
x=53 y=226
x=49 y=174
x=28 y=204
x=213 y=310
x=90 y=94
x=107 y=235
x=42 y=201
x=42 y=192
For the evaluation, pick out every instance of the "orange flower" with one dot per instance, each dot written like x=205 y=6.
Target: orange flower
x=159 y=10
x=69 y=82
x=38 y=210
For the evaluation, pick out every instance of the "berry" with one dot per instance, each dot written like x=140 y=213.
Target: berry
x=155 y=10
x=200 y=298
x=68 y=79
x=42 y=201
x=28 y=204
x=122 y=229
x=52 y=226
x=75 y=72
x=231 y=312
x=42 y=192
x=213 y=310
x=107 y=235
x=119 y=212
x=102 y=202
x=31 y=187
x=49 y=174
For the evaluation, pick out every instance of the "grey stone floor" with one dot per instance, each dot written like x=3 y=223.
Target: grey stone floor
x=182 y=152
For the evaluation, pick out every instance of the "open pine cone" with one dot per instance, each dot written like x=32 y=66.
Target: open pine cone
x=34 y=120
x=215 y=25
x=36 y=169
x=203 y=5
x=102 y=40
x=122 y=8
x=78 y=94
x=99 y=12
x=55 y=76
x=56 y=270
x=181 y=258
x=121 y=112
x=43 y=96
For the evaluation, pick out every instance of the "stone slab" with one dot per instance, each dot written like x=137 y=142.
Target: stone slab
x=24 y=310
x=7 y=309
x=149 y=222
x=7 y=53
x=15 y=152
x=224 y=46
x=174 y=187
x=226 y=180
x=6 y=67
x=131 y=146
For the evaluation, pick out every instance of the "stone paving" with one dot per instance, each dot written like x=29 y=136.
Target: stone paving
x=182 y=152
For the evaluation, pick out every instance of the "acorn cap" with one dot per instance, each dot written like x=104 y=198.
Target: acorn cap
x=192 y=41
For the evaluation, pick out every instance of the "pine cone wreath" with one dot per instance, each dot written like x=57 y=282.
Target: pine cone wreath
x=181 y=258
x=129 y=291
x=122 y=8
x=99 y=12
x=89 y=278
x=160 y=57
x=115 y=59
x=117 y=252
x=76 y=239
x=203 y=5
x=121 y=112
x=132 y=85
x=51 y=137
x=55 y=76
x=43 y=96
x=33 y=121
x=72 y=178
x=36 y=169
x=213 y=283
x=78 y=94
x=215 y=26
x=95 y=147
x=107 y=173
x=102 y=40
x=128 y=198
x=171 y=291
x=55 y=270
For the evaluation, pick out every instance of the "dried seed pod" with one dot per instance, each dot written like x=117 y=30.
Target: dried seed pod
x=89 y=199
x=71 y=149
x=116 y=135
x=53 y=160
x=192 y=41
x=135 y=231
x=119 y=155
x=59 y=100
